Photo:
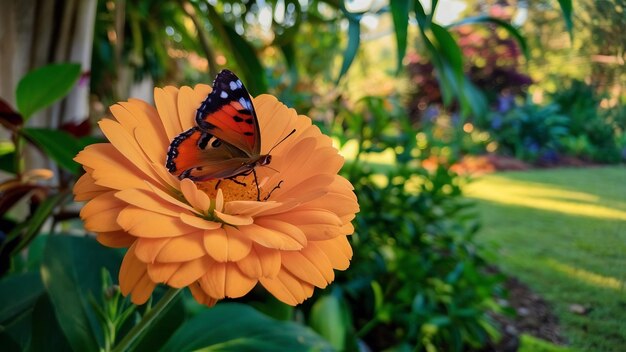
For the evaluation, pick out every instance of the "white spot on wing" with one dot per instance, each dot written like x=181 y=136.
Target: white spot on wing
x=232 y=85
x=245 y=103
x=224 y=95
x=239 y=84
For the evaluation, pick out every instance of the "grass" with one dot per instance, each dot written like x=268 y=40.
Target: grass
x=563 y=232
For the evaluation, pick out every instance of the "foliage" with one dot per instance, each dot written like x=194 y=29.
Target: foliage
x=528 y=132
x=492 y=65
x=417 y=280
x=592 y=130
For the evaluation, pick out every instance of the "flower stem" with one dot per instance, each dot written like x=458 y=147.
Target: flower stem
x=147 y=320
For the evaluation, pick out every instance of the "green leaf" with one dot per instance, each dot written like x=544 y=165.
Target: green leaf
x=330 y=318
x=162 y=328
x=45 y=85
x=22 y=291
x=507 y=26
x=34 y=223
x=46 y=332
x=70 y=274
x=237 y=327
x=8 y=343
x=400 y=15
x=567 y=9
x=354 y=40
x=59 y=145
x=449 y=49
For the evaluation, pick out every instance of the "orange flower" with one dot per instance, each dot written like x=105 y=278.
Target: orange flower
x=219 y=243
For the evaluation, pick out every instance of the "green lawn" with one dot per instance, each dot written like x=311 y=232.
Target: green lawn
x=563 y=232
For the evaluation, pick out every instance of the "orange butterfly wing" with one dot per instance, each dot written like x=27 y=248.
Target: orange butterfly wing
x=228 y=114
x=200 y=156
x=226 y=142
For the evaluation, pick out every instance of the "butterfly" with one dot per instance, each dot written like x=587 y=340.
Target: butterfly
x=226 y=141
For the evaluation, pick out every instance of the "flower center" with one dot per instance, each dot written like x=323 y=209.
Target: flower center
x=231 y=189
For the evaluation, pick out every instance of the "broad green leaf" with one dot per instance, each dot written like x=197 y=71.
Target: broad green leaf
x=46 y=332
x=354 y=40
x=567 y=9
x=162 y=328
x=330 y=318
x=45 y=85
x=433 y=7
x=507 y=26
x=59 y=145
x=22 y=291
x=422 y=19
x=237 y=327
x=8 y=343
x=400 y=13
x=449 y=49
x=70 y=273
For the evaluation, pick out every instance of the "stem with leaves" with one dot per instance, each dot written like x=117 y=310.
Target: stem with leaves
x=139 y=329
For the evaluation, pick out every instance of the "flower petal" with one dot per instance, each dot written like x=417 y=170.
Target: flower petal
x=162 y=272
x=183 y=248
x=142 y=223
x=100 y=213
x=190 y=271
x=261 y=262
x=238 y=245
x=165 y=100
x=269 y=238
x=284 y=228
x=134 y=278
x=147 y=249
x=86 y=189
x=199 y=222
x=200 y=296
x=287 y=288
x=148 y=201
x=302 y=268
x=236 y=220
x=115 y=239
x=216 y=244
x=337 y=250
x=226 y=280
x=198 y=199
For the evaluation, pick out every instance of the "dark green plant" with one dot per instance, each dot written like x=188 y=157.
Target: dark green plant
x=529 y=131
x=590 y=125
x=417 y=278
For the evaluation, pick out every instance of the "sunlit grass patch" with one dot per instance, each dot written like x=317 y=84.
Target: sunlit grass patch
x=563 y=232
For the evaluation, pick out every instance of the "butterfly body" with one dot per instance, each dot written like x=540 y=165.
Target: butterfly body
x=226 y=141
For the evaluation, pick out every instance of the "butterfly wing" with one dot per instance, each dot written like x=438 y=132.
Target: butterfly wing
x=200 y=156
x=228 y=114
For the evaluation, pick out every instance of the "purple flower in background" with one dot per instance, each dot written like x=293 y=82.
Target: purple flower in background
x=506 y=102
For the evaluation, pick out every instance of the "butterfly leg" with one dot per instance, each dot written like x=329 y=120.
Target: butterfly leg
x=237 y=182
x=256 y=183
x=272 y=191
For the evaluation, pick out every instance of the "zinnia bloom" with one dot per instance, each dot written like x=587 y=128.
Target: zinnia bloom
x=218 y=242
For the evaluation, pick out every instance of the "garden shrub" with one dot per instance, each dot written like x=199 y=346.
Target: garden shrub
x=529 y=132
x=417 y=278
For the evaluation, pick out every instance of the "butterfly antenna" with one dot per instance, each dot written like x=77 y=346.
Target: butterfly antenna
x=282 y=140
